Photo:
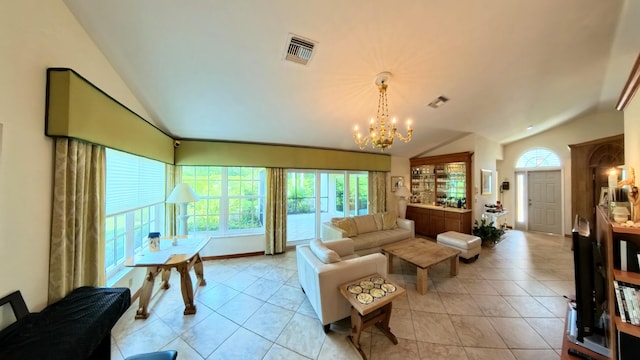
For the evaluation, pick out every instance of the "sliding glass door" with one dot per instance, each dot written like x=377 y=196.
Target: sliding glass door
x=315 y=196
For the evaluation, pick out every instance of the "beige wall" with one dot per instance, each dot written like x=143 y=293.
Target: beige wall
x=399 y=167
x=632 y=133
x=582 y=129
x=36 y=35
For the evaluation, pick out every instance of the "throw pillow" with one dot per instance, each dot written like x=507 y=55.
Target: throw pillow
x=323 y=253
x=389 y=221
x=348 y=226
x=365 y=224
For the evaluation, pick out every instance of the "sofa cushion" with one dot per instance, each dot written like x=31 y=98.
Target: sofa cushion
x=322 y=252
x=347 y=225
x=379 y=238
x=389 y=221
x=365 y=224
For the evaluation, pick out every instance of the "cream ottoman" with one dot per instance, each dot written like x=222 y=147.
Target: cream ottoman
x=469 y=245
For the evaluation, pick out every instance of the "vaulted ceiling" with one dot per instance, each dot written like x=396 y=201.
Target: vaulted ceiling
x=216 y=69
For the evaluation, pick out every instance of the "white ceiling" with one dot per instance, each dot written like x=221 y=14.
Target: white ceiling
x=215 y=69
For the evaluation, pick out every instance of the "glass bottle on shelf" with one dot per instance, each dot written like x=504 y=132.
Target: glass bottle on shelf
x=422 y=184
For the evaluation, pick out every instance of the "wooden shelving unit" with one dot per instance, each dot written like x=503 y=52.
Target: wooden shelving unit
x=442 y=180
x=438 y=184
x=610 y=234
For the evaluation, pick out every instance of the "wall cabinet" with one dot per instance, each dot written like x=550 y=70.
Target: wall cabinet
x=432 y=220
x=443 y=180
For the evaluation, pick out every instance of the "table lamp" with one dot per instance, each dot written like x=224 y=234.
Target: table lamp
x=182 y=194
x=402 y=193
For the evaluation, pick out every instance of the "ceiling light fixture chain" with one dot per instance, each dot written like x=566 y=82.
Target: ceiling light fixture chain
x=381 y=131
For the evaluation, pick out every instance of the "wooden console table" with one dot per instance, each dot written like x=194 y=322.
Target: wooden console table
x=182 y=254
x=370 y=299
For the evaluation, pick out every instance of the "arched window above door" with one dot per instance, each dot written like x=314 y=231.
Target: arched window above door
x=538 y=157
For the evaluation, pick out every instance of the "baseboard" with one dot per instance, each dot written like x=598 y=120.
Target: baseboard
x=232 y=256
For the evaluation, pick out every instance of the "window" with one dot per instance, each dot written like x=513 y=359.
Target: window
x=520 y=198
x=315 y=196
x=134 y=205
x=538 y=157
x=358 y=194
x=232 y=199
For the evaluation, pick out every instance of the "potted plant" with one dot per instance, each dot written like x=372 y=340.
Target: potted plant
x=489 y=234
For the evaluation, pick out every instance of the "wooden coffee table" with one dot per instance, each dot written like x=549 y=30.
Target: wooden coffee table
x=423 y=254
x=371 y=298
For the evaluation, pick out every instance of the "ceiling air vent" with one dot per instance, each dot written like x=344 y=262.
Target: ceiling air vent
x=439 y=101
x=299 y=50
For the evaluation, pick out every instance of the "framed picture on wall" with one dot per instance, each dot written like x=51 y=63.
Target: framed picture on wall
x=486 y=179
x=396 y=182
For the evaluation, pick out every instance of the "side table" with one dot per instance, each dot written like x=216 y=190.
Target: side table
x=183 y=256
x=371 y=298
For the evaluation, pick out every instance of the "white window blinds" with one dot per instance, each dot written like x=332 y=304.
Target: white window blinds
x=132 y=182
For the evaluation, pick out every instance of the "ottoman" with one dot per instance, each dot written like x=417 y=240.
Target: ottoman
x=469 y=245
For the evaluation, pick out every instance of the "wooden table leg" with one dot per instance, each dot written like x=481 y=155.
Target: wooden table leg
x=145 y=292
x=421 y=280
x=187 y=289
x=454 y=265
x=166 y=274
x=356 y=331
x=197 y=268
x=384 y=324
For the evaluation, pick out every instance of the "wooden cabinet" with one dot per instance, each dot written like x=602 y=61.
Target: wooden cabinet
x=460 y=222
x=443 y=180
x=436 y=222
x=590 y=164
x=420 y=217
x=431 y=220
x=609 y=234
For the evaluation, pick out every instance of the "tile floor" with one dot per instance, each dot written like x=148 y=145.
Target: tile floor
x=507 y=305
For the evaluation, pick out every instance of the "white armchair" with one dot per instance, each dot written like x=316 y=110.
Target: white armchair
x=320 y=278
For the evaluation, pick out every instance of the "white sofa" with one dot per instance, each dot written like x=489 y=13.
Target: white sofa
x=369 y=232
x=321 y=276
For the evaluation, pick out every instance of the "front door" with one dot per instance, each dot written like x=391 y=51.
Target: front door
x=545 y=208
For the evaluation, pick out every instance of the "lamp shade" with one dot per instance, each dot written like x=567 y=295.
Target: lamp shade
x=182 y=193
x=402 y=192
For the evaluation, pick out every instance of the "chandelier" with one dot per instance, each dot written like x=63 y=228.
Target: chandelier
x=382 y=132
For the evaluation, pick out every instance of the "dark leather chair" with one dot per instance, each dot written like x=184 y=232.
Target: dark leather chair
x=158 y=355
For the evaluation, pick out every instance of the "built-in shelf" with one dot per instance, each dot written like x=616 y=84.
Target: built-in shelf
x=626 y=276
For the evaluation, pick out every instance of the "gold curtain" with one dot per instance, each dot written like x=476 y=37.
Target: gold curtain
x=377 y=191
x=276 y=216
x=173 y=175
x=77 y=219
